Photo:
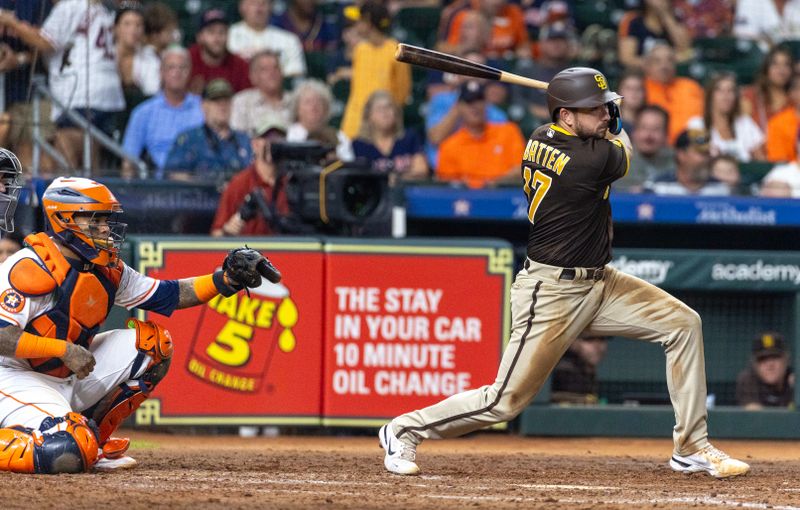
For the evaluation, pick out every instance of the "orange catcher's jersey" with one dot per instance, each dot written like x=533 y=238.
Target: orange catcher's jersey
x=46 y=294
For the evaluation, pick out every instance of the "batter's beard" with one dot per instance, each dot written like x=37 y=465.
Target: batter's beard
x=584 y=133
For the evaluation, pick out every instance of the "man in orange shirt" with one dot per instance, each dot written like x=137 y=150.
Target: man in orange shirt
x=783 y=127
x=480 y=152
x=681 y=97
x=509 y=34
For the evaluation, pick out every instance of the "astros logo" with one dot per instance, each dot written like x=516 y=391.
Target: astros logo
x=601 y=81
x=11 y=301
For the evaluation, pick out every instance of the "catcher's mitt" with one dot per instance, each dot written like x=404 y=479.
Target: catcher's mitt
x=246 y=266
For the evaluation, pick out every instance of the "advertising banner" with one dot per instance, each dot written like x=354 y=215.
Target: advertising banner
x=509 y=203
x=760 y=271
x=408 y=325
x=252 y=358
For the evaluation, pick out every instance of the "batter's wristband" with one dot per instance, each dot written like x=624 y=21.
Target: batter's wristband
x=32 y=346
x=223 y=284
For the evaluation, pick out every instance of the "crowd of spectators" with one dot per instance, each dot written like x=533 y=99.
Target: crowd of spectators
x=189 y=103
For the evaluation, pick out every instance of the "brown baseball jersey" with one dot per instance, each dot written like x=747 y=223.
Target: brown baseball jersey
x=567 y=181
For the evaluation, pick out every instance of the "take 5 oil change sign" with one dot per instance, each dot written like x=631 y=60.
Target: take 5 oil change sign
x=252 y=358
x=407 y=325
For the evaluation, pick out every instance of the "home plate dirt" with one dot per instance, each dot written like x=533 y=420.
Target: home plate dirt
x=487 y=470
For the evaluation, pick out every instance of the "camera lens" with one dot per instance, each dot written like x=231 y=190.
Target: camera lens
x=361 y=195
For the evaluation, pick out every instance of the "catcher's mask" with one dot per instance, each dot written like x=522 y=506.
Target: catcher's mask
x=82 y=214
x=10 y=187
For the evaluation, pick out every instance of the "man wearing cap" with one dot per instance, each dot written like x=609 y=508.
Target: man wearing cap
x=574 y=380
x=258 y=178
x=254 y=34
x=480 y=152
x=692 y=169
x=213 y=151
x=557 y=49
x=210 y=56
x=156 y=122
x=443 y=116
x=567 y=288
x=769 y=380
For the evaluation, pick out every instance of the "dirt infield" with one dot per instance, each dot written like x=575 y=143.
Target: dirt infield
x=488 y=470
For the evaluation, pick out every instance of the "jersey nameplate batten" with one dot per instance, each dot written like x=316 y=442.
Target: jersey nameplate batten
x=541 y=154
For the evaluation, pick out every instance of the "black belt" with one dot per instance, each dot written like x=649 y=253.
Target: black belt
x=595 y=274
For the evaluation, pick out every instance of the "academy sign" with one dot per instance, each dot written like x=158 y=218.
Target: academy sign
x=654 y=271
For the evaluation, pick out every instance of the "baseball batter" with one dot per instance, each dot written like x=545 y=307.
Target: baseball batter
x=566 y=288
x=64 y=389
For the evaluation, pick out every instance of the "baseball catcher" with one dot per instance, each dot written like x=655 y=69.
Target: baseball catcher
x=566 y=288
x=64 y=388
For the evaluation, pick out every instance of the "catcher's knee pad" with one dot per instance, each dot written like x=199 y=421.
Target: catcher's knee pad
x=151 y=340
x=72 y=449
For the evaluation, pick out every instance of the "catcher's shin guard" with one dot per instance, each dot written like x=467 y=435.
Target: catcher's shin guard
x=72 y=448
x=152 y=341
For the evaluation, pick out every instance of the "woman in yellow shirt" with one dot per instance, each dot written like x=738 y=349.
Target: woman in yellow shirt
x=374 y=66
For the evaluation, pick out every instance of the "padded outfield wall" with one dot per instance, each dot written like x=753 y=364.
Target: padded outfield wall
x=738 y=295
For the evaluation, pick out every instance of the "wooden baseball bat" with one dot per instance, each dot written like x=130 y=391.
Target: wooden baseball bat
x=431 y=59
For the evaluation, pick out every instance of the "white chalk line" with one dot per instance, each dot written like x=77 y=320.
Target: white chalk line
x=574 y=501
x=715 y=501
x=564 y=487
x=544 y=487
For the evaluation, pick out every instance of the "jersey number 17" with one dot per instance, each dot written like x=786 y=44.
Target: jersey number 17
x=537 y=184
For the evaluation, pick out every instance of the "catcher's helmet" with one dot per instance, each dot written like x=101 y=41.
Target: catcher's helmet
x=67 y=197
x=578 y=87
x=10 y=186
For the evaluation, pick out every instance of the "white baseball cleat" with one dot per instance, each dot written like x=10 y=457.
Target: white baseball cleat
x=124 y=462
x=400 y=456
x=711 y=460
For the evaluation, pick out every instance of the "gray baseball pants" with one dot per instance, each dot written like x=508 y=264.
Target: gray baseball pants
x=547 y=314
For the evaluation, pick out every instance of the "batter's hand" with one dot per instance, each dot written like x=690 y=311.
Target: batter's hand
x=79 y=360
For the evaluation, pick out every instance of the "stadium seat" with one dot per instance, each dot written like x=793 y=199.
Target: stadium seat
x=606 y=13
x=417 y=25
x=741 y=57
x=753 y=171
x=341 y=90
x=413 y=116
x=189 y=11
x=794 y=46
x=316 y=62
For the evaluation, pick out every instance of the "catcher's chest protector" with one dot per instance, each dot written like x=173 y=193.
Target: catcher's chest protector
x=83 y=298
